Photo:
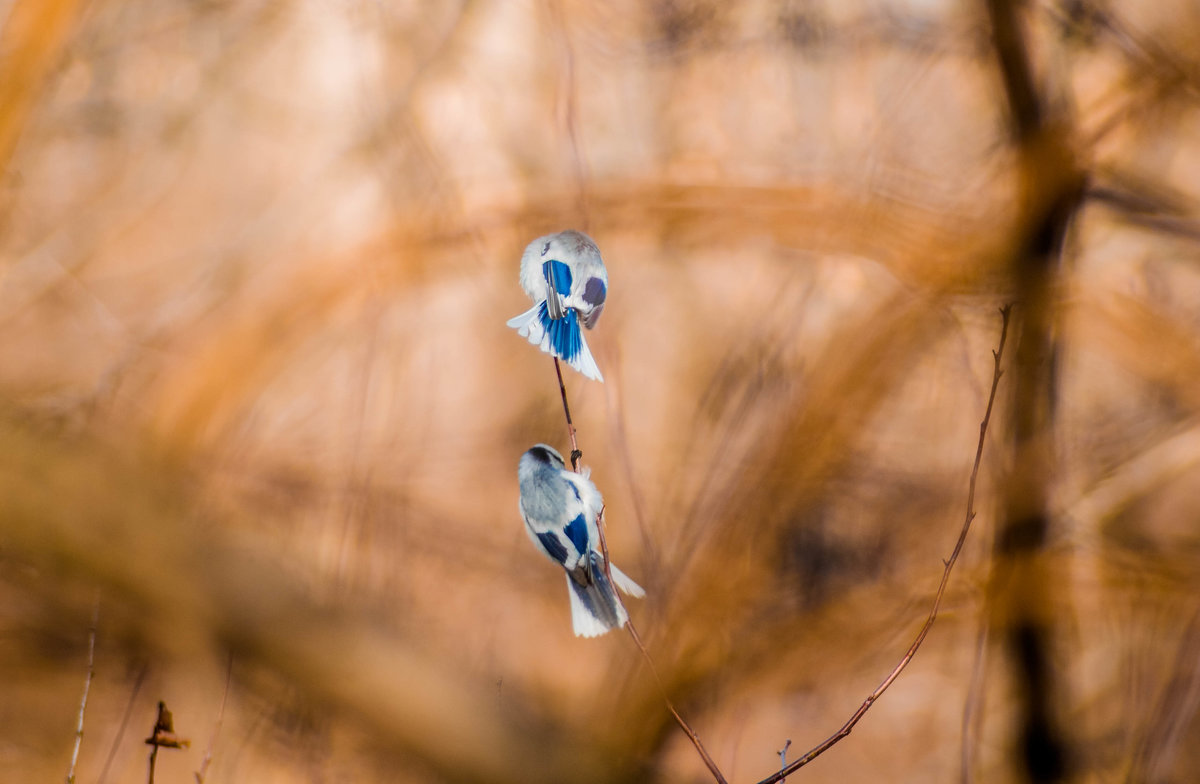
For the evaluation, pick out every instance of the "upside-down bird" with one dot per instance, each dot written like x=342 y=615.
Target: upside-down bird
x=565 y=277
x=560 y=508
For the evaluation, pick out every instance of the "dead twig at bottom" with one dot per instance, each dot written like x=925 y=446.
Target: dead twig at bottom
x=845 y=729
x=87 y=686
x=163 y=736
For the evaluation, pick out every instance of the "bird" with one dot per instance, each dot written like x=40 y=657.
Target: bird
x=565 y=277
x=560 y=509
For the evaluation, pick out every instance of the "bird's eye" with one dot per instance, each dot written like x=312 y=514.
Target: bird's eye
x=546 y=249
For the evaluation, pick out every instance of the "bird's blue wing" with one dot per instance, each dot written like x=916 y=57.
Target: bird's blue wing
x=553 y=544
x=558 y=275
x=577 y=532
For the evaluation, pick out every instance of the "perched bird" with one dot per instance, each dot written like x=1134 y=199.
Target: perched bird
x=565 y=277
x=560 y=508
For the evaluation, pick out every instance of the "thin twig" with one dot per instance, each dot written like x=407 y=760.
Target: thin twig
x=973 y=706
x=112 y=751
x=575 y=453
x=937 y=599
x=208 y=752
x=87 y=686
x=687 y=729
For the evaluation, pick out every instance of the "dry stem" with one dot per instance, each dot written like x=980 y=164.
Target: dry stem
x=937 y=600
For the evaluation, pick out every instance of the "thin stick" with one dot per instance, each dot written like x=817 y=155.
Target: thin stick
x=937 y=600
x=87 y=686
x=208 y=752
x=972 y=711
x=687 y=729
x=112 y=751
x=575 y=453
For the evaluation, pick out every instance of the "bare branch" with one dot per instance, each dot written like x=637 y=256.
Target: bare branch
x=845 y=729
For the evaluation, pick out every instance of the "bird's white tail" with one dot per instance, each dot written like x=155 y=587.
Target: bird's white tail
x=595 y=607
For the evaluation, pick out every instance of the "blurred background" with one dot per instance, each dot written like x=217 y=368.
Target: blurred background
x=261 y=414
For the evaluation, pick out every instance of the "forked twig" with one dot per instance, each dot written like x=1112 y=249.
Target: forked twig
x=937 y=600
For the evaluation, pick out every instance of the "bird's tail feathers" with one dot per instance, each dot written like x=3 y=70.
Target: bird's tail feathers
x=560 y=337
x=626 y=584
x=595 y=608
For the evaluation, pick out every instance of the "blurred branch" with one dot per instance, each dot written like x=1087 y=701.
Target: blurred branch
x=1024 y=107
x=1050 y=189
x=208 y=752
x=973 y=706
x=112 y=749
x=1151 y=211
x=1175 y=710
x=846 y=728
x=31 y=43
x=1165 y=65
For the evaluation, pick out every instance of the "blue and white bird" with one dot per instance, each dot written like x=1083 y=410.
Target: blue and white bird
x=565 y=277
x=560 y=508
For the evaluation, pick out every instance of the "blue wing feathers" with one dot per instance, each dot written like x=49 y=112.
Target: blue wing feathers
x=554 y=546
x=559 y=275
x=565 y=338
x=594 y=292
x=578 y=534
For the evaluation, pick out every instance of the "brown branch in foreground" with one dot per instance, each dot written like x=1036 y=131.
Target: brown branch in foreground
x=687 y=729
x=87 y=686
x=212 y=741
x=937 y=599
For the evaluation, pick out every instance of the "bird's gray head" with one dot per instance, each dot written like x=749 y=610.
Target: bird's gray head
x=541 y=454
